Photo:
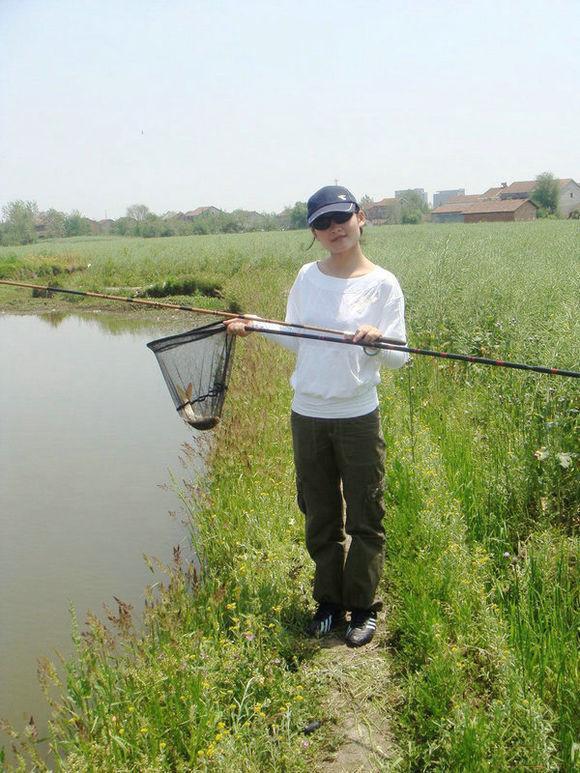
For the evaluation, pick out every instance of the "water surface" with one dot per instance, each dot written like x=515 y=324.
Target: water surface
x=88 y=434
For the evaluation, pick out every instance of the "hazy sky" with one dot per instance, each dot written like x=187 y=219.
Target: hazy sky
x=254 y=104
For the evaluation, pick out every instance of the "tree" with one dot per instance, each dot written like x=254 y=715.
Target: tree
x=122 y=226
x=76 y=225
x=20 y=220
x=366 y=201
x=55 y=223
x=412 y=207
x=546 y=193
x=299 y=215
x=138 y=212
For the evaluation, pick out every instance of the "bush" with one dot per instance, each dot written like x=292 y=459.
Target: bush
x=184 y=286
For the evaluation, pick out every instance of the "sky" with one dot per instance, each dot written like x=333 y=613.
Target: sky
x=255 y=104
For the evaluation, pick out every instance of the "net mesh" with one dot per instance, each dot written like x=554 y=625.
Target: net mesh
x=196 y=366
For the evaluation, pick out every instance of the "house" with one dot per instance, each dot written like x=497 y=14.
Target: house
x=106 y=225
x=201 y=211
x=494 y=193
x=469 y=198
x=384 y=211
x=41 y=225
x=569 y=199
x=485 y=210
x=442 y=197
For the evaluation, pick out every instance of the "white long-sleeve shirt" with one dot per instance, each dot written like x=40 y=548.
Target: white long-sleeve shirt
x=334 y=380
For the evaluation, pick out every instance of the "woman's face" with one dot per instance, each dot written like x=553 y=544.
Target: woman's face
x=341 y=237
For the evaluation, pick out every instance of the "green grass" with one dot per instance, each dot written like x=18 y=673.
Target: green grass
x=481 y=570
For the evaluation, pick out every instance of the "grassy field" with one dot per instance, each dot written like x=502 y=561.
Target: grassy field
x=477 y=664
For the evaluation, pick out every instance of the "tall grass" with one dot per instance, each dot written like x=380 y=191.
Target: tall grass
x=481 y=571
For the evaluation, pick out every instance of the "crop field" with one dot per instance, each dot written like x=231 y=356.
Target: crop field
x=476 y=664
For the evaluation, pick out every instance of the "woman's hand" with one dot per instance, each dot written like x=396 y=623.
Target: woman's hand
x=366 y=334
x=239 y=326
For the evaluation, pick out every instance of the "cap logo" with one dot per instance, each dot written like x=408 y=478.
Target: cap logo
x=342 y=196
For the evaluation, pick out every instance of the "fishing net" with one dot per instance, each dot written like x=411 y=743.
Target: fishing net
x=196 y=366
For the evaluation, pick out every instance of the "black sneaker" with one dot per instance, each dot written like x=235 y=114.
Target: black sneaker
x=362 y=627
x=326 y=618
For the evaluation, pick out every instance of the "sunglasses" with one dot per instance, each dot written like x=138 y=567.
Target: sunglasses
x=324 y=222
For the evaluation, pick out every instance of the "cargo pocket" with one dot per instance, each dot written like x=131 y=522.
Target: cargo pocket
x=300 y=495
x=374 y=505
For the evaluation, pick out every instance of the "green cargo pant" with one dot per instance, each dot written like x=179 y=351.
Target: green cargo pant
x=339 y=480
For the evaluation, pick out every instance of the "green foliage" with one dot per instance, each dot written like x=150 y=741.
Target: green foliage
x=76 y=225
x=55 y=222
x=412 y=207
x=9 y=266
x=184 y=286
x=546 y=193
x=298 y=215
x=410 y=216
x=19 y=222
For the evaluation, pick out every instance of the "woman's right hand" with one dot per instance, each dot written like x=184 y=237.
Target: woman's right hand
x=238 y=327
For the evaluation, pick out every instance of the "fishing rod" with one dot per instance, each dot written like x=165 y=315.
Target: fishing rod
x=179 y=307
x=381 y=343
x=427 y=352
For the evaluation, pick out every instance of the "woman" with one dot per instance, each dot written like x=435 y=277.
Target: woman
x=336 y=429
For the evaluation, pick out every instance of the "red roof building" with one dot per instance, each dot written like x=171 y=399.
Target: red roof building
x=485 y=210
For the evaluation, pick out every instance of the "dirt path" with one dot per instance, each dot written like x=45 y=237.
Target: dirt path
x=362 y=697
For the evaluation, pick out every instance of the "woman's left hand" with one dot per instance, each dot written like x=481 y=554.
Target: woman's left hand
x=366 y=334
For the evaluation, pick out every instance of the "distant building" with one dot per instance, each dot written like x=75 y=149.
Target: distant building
x=485 y=210
x=494 y=193
x=419 y=191
x=385 y=211
x=469 y=198
x=106 y=225
x=569 y=199
x=41 y=225
x=442 y=197
x=201 y=211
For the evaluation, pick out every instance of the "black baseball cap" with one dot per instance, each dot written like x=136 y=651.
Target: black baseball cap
x=331 y=198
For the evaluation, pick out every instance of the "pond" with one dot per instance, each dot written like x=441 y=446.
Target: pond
x=89 y=442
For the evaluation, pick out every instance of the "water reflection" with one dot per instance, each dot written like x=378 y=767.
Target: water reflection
x=88 y=436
